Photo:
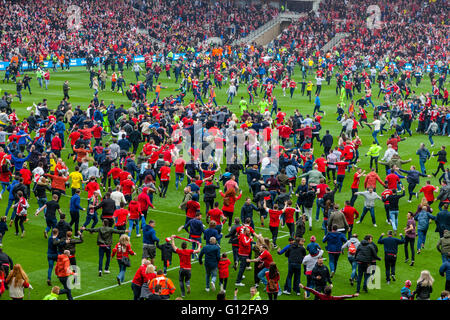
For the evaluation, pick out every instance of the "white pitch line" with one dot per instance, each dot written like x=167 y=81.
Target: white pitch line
x=129 y=281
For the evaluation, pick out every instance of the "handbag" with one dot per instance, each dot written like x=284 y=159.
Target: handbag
x=126 y=261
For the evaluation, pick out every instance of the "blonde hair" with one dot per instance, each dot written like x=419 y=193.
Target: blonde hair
x=150 y=269
x=124 y=241
x=425 y=279
x=17 y=276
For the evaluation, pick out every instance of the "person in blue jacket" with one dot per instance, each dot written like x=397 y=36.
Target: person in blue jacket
x=390 y=253
x=195 y=229
x=444 y=270
x=334 y=240
x=52 y=254
x=212 y=256
x=423 y=221
x=11 y=198
x=75 y=210
x=149 y=239
x=212 y=232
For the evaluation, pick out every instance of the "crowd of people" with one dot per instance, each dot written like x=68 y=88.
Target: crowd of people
x=122 y=157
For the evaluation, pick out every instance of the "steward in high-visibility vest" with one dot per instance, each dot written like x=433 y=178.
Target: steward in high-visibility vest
x=167 y=287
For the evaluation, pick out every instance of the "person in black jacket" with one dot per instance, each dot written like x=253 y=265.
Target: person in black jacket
x=166 y=253
x=295 y=254
x=442 y=159
x=5 y=261
x=63 y=226
x=390 y=253
x=393 y=200
x=209 y=194
x=413 y=179
x=321 y=276
x=108 y=206
x=364 y=256
x=327 y=142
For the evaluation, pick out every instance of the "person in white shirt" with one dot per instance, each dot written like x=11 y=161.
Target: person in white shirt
x=118 y=197
x=388 y=154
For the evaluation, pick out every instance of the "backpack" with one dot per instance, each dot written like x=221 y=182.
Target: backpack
x=352 y=249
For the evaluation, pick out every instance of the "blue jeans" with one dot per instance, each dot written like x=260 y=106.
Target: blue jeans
x=430 y=137
x=394 y=219
x=372 y=213
x=262 y=275
x=334 y=257
x=354 y=264
x=294 y=269
x=318 y=208
x=179 y=177
x=90 y=217
x=422 y=165
x=211 y=275
x=132 y=223
x=51 y=223
x=4 y=186
x=102 y=251
x=122 y=269
x=421 y=237
x=51 y=258
x=374 y=135
x=10 y=203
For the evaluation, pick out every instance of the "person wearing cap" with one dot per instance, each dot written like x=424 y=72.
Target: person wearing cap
x=313 y=248
x=166 y=253
x=390 y=253
x=406 y=293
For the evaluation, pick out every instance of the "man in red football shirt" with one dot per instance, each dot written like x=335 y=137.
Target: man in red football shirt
x=428 y=191
x=185 y=264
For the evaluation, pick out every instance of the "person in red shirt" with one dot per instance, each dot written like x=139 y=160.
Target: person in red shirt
x=274 y=221
x=272 y=277
x=428 y=191
x=180 y=164
x=321 y=189
x=341 y=165
x=122 y=250
x=245 y=248
x=266 y=259
x=321 y=164
x=224 y=272
x=26 y=174
x=144 y=201
x=185 y=264
x=350 y=214
x=121 y=216
x=228 y=203
x=114 y=172
x=164 y=178
x=91 y=187
x=128 y=187
x=393 y=141
x=216 y=215
x=355 y=184
x=392 y=181
x=288 y=212
x=56 y=145
x=140 y=277
x=135 y=214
